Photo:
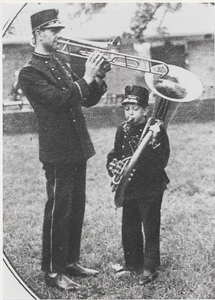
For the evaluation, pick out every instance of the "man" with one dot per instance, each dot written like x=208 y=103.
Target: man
x=56 y=95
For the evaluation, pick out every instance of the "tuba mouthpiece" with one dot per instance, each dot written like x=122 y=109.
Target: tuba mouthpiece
x=127 y=124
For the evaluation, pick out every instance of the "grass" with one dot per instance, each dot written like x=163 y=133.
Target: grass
x=188 y=219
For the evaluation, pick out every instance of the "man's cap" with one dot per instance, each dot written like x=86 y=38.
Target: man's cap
x=46 y=19
x=135 y=94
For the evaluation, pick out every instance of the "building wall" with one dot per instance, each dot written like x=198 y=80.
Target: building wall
x=201 y=61
x=200 y=57
x=14 y=58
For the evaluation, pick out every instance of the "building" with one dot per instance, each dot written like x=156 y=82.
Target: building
x=187 y=40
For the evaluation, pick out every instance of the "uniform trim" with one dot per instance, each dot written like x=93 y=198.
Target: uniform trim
x=79 y=90
x=52 y=222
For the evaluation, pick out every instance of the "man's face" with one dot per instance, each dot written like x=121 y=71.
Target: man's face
x=135 y=111
x=49 y=38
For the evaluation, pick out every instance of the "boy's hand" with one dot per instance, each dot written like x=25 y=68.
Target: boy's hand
x=156 y=132
x=155 y=129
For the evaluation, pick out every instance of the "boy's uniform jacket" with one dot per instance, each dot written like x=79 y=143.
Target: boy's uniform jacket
x=149 y=177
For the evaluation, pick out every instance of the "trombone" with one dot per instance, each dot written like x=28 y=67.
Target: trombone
x=81 y=48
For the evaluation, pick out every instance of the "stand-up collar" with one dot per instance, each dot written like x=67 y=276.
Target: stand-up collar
x=42 y=56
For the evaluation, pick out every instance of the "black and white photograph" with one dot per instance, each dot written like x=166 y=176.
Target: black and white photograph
x=108 y=145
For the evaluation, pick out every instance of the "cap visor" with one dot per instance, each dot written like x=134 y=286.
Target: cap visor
x=129 y=101
x=55 y=26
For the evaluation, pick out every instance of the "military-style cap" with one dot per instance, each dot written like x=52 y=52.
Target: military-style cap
x=135 y=94
x=46 y=19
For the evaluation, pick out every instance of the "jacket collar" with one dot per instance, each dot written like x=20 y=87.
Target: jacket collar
x=42 y=56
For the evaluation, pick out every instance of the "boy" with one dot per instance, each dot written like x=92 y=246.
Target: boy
x=144 y=192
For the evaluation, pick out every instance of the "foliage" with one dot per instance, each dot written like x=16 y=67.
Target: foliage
x=188 y=219
x=145 y=13
x=92 y=8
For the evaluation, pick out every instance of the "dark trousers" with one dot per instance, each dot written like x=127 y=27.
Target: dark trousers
x=141 y=232
x=64 y=214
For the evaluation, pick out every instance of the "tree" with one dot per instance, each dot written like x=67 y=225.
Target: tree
x=145 y=13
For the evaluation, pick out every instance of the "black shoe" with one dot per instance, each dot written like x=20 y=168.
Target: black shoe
x=76 y=269
x=60 y=281
x=148 y=277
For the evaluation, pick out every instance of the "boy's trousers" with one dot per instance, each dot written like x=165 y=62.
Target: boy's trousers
x=140 y=216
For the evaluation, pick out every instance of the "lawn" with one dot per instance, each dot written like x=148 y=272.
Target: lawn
x=188 y=219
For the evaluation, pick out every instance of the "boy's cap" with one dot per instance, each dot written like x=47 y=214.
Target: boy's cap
x=46 y=19
x=135 y=94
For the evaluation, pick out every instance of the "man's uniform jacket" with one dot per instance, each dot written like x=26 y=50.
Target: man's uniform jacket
x=56 y=94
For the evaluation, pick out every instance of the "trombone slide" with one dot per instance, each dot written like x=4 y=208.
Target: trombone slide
x=82 y=49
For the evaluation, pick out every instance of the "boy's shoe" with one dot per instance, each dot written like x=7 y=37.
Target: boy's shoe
x=148 y=276
x=76 y=269
x=60 y=281
x=122 y=273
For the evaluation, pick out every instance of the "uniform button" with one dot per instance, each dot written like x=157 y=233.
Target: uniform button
x=64 y=67
x=74 y=121
x=46 y=62
x=64 y=88
x=59 y=78
x=70 y=75
x=52 y=69
x=123 y=146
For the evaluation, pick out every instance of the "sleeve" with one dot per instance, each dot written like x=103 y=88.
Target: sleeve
x=95 y=95
x=95 y=91
x=38 y=87
x=115 y=152
x=163 y=151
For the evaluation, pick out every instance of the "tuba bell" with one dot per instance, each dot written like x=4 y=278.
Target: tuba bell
x=169 y=91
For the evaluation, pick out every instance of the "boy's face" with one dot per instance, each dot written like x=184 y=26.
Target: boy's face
x=136 y=111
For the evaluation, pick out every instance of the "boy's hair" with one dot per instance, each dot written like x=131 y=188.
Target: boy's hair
x=135 y=94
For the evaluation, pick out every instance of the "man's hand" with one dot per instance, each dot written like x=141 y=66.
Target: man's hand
x=105 y=67
x=93 y=66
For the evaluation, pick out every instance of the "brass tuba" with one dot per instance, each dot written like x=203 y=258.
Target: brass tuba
x=178 y=86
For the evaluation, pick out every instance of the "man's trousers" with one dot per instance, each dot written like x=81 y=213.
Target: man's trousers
x=64 y=214
x=140 y=216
